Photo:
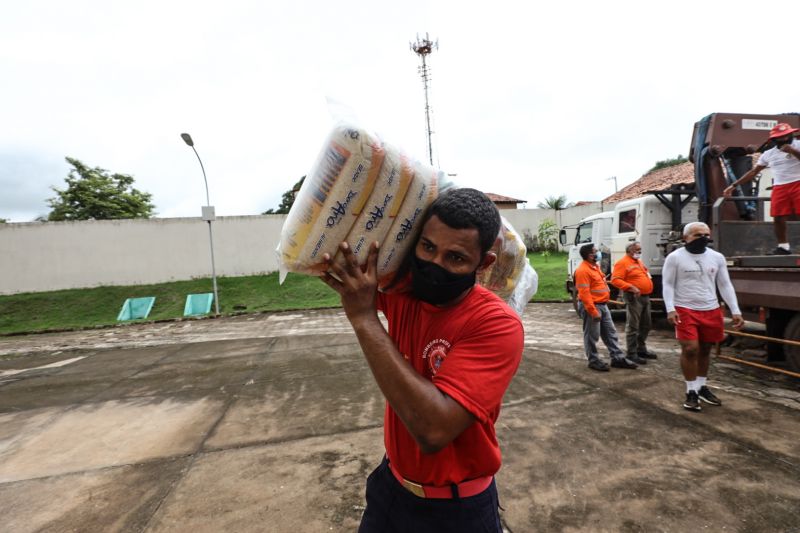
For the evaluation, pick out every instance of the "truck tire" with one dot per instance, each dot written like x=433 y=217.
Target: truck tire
x=792 y=333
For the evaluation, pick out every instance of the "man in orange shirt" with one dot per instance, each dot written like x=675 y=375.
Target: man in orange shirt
x=632 y=278
x=593 y=293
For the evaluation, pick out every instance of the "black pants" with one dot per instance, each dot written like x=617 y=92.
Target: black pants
x=391 y=508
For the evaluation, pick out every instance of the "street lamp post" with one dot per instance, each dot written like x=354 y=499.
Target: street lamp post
x=615 y=182
x=208 y=216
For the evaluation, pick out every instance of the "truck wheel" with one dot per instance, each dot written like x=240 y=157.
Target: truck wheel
x=792 y=333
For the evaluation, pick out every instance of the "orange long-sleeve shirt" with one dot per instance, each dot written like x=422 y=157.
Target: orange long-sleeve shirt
x=592 y=286
x=629 y=271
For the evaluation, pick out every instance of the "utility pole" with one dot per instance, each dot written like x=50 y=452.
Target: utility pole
x=423 y=48
x=615 y=182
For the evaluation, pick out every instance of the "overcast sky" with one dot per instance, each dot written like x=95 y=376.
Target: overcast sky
x=530 y=99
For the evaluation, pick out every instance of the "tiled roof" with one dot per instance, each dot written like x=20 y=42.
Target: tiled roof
x=500 y=199
x=658 y=180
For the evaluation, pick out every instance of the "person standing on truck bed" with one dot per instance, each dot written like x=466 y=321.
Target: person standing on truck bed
x=593 y=293
x=784 y=160
x=633 y=279
x=690 y=279
x=445 y=362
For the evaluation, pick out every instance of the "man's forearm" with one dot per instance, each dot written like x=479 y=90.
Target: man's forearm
x=726 y=289
x=423 y=408
x=588 y=304
x=667 y=285
x=744 y=179
x=669 y=299
x=620 y=283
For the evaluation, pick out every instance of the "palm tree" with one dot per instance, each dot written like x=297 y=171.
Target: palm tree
x=555 y=202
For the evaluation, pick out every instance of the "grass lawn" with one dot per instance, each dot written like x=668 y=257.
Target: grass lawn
x=79 y=308
x=84 y=308
x=552 y=272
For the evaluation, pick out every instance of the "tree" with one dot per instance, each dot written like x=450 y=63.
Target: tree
x=3 y=221
x=287 y=200
x=556 y=203
x=546 y=236
x=93 y=193
x=668 y=163
x=553 y=202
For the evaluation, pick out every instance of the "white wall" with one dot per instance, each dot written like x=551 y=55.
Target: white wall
x=529 y=219
x=46 y=256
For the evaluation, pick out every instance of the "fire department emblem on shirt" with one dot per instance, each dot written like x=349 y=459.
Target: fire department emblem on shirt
x=435 y=353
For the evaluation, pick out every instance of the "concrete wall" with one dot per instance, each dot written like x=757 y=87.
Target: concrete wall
x=529 y=219
x=46 y=256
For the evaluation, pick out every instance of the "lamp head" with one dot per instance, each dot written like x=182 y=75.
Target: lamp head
x=187 y=139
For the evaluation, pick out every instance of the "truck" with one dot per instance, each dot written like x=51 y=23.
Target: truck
x=722 y=150
x=594 y=229
x=645 y=219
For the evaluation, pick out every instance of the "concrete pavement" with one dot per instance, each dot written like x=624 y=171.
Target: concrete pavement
x=272 y=423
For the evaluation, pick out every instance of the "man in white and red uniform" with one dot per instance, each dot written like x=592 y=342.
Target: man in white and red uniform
x=690 y=278
x=444 y=365
x=784 y=160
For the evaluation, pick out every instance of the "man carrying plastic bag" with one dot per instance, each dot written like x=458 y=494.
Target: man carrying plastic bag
x=449 y=354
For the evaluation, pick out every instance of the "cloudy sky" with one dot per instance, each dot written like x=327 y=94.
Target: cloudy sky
x=530 y=99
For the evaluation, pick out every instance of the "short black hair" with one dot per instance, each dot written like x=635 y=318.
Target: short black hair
x=585 y=250
x=467 y=208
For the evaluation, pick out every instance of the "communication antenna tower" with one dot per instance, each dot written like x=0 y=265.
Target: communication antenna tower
x=423 y=48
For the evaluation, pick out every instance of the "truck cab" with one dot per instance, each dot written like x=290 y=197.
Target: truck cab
x=595 y=229
x=645 y=219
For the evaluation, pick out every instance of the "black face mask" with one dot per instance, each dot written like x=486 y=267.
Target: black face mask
x=698 y=246
x=436 y=285
x=781 y=142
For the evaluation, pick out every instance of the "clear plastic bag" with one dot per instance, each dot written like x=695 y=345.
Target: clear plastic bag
x=527 y=285
x=335 y=190
x=360 y=190
x=511 y=276
x=406 y=223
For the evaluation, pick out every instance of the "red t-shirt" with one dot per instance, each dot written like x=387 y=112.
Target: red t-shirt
x=470 y=352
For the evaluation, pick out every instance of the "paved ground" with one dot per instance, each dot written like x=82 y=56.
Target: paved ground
x=272 y=423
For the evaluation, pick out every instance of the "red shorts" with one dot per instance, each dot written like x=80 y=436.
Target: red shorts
x=785 y=200
x=703 y=326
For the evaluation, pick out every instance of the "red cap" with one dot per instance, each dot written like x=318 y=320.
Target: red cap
x=781 y=130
